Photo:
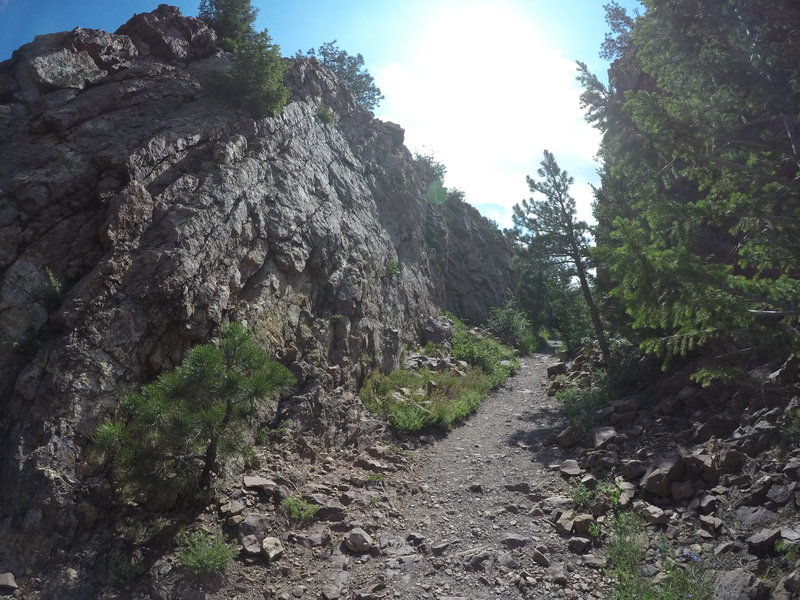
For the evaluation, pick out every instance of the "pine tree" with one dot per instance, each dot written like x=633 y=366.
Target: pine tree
x=699 y=210
x=551 y=223
x=170 y=436
x=255 y=80
x=351 y=70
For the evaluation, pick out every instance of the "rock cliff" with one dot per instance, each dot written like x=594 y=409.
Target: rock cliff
x=138 y=213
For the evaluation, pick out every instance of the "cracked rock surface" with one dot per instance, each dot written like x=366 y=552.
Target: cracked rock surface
x=139 y=213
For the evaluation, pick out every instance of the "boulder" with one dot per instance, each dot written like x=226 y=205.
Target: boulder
x=271 y=548
x=750 y=516
x=559 y=368
x=579 y=544
x=633 y=469
x=654 y=515
x=514 y=540
x=166 y=34
x=570 y=468
x=262 y=484
x=436 y=330
x=255 y=524
x=357 y=540
x=602 y=436
x=63 y=69
x=539 y=558
x=763 y=541
x=662 y=474
x=740 y=584
x=582 y=522
x=681 y=490
x=567 y=438
x=8 y=584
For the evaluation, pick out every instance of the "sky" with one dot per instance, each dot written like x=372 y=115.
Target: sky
x=484 y=85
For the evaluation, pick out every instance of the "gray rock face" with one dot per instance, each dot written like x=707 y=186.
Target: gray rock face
x=138 y=213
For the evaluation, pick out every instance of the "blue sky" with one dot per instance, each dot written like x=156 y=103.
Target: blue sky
x=485 y=85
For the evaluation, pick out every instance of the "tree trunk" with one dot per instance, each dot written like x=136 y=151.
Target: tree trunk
x=593 y=312
x=210 y=458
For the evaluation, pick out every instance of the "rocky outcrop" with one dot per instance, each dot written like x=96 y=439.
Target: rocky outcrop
x=138 y=213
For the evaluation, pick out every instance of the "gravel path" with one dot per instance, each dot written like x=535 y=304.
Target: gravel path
x=470 y=519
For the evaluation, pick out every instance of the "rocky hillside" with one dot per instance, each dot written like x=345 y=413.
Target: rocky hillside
x=138 y=213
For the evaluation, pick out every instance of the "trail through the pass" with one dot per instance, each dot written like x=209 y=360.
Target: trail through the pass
x=474 y=521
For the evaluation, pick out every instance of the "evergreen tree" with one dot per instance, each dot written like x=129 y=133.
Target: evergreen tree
x=551 y=224
x=232 y=20
x=255 y=80
x=351 y=70
x=699 y=210
x=171 y=435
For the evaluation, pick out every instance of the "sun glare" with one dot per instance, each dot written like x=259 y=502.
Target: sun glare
x=486 y=88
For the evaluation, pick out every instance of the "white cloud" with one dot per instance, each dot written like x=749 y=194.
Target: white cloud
x=483 y=91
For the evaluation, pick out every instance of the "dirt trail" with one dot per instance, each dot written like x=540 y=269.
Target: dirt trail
x=466 y=517
x=471 y=520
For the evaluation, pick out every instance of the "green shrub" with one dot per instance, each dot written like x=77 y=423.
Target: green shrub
x=255 y=81
x=232 y=20
x=443 y=398
x=272 y=434
x=684 y=572
x=204 y=553
x=437 y=399
x=351 y=70
x=170 y=435
x=582 y=495
x=629 y=367
x=393 y=268
x=581 y=406
x=483 y=352
x=512 y=326
x=325 y=114
x=298 y=509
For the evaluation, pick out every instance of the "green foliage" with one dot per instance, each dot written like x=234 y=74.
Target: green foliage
x=232 y=20
x=393 y=268
x=548 y=228
x=429 y=161
x=595 y=530
x=56 y=287
x=582 y=495
x=205 y=553
x=272 y=434
x=581 y=406
x=482 y=352
x=255 y=80
x=437 y=399
x=170 y=435
x=351 y=70
x=699 y=210
x=298 y=509
x=789 y=550
x=325 y=114
x=684 y=573
x=546 y=293
x=443 y=398
x=629 y=368
x=513 y=327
